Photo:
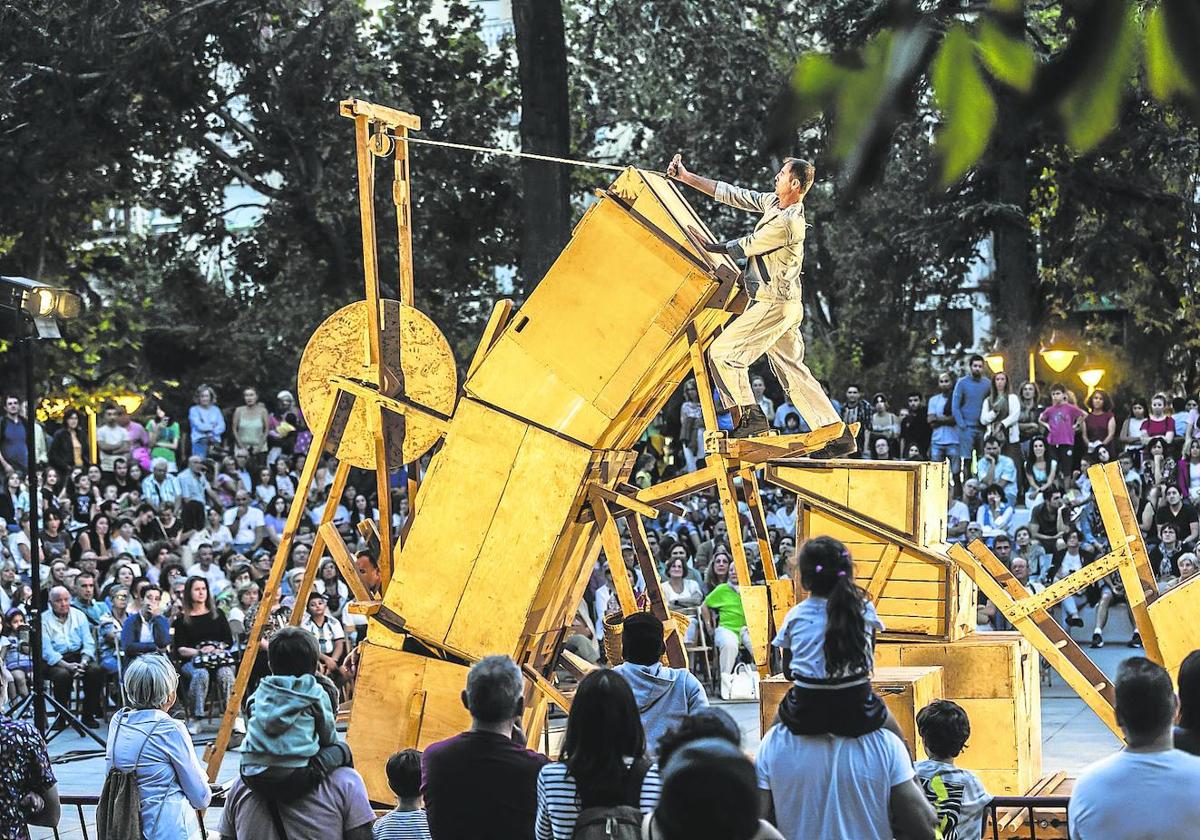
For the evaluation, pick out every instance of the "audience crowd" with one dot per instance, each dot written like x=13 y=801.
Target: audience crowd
x=154 y=556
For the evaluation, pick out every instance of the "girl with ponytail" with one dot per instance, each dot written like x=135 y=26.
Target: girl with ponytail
x=828 y=643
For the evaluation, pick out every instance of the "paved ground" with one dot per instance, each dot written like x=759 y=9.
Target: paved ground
x=1072 y=736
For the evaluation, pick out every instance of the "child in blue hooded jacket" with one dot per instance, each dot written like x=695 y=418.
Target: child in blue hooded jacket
x=291 y=740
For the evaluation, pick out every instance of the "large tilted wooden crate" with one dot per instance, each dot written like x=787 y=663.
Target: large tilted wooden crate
x=994 y=677
x=881 y=510
x=905 y=691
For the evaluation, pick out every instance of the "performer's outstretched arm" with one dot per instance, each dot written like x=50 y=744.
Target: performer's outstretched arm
x=677 y=171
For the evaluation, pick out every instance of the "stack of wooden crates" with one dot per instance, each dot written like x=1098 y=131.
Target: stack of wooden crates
x=894 y=513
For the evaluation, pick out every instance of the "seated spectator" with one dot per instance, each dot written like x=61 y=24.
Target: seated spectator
x=957 y=795
x=146 y=631
x=1047 y=521
x=1033 y=553
x=69 y=649
x=29 y=795
x=1071 y=559
x=407 y=821
x=291 y=742
x=331 y=638
x=207 y=568
x=603 y=761
x=145 y=740
x=664 y=695
x=1187 y=733
x=708 y=793
x=201 y=636
x=489 y=762
x=997 y=470
x=728 y=628
x=18 y=662
x=245 y=524
x=1149 y=788
x=995 y=517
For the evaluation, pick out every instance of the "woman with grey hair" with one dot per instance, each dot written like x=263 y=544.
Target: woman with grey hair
x=145 y=740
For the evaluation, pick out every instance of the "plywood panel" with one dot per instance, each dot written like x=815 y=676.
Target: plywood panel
x=459 y=498
x=887 y=496
x=537 y=499
x=1175 y=624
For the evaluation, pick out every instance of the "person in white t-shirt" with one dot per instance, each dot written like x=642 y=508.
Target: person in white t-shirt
x=839 y=788
x=957 y=795
x=1148 y=789
x=245 y=523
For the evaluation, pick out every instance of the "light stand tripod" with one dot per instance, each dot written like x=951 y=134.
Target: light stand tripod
x=37 y=699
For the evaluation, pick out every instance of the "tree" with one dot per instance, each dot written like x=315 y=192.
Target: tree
x=545 y=129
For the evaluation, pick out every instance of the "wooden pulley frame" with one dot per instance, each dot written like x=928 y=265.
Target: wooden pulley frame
x=423 y=376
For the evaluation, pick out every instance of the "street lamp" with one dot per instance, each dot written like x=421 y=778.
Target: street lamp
x=995 y=362
x=1058 y=357
x=1091 y=376
x=39 y=305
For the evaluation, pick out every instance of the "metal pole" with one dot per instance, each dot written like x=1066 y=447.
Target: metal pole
x=35 y=547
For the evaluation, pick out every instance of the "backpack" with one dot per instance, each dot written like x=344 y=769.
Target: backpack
x=615 y=822
x=119 y=809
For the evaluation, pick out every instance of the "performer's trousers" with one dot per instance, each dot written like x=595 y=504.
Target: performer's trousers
x=771 y=327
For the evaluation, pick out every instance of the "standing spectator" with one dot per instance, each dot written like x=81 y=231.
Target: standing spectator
x=146 y=631
x=14 y=454
x=1100 y=425
x=664 y=695
x=970 y=393
x=206 y=421
x=1062 y=420
x=835 y=787
x=489 y=763
x=69 y=649
x=957 y=796
x=143 y=739
x=1028 y=424
x=1149 y=788
x=29 y=795
x=111 y=440
x=69 y=447
x=201 y=630
x=914 y=427
x=759 y=387
x=1159 y=423
x=251 y=422
x=1131 y=430
x=857 y=410
x=728 y=629
x=164 y=438
x=943 y=444
x=408 y=820
x=287 y=426
x=691 y=425
x=139 y=440
x=1189 y=471
x=603 y=762
x=1001 y=415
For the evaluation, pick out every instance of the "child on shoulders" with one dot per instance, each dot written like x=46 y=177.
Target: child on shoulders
x=407 y=821
x=957 y=795
x=828 y=641
x=291 y=740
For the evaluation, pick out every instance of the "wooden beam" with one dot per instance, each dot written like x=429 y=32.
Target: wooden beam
x=379 y=113
x=300 y=607
x=329 y=534
x=678 y=487
x=610 y=538
x=626 y=501
x=393 y=404
x=883 y=570
x=676 y=654
x=501 y=314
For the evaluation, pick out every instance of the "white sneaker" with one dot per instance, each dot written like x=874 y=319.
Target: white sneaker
x=239 y=725
x=193 y=727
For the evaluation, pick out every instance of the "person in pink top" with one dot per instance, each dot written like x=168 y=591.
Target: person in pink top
x=1061 y=420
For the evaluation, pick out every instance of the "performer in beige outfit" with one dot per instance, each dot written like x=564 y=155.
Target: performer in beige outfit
x=774 y=254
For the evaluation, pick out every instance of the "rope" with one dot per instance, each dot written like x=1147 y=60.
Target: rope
x=490 y=150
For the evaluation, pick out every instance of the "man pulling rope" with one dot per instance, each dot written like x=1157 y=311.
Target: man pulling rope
x=774 y=252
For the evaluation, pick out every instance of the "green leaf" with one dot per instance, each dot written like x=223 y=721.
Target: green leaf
x=1090 y=109
x=1010 y=60
x=1163 y=74
x=966 y=103
x=1007 y=7
x=859 y=95
x=814 y=79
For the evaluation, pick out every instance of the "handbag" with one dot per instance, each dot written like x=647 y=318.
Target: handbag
x=742 y=684
x=215 y=659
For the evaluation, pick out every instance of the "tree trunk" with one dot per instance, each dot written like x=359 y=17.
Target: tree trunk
x=1016 y=309
x=545 y=129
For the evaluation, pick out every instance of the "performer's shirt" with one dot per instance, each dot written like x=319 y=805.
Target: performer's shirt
x=775 y=250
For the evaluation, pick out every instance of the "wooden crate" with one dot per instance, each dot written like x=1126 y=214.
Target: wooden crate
x=905 y=691
x=994 y=677
x=876 y=509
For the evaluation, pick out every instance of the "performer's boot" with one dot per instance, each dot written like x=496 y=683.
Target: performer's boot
x=842 y=446
x=753 y=422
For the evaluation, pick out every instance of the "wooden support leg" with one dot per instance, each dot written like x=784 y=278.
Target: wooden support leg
x=327 y=440
x=383 y=490
x=758 y=521
x=610 y=538
x=300 y=608
x=676 y=655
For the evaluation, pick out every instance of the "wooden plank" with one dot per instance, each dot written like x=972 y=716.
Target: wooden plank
x=676 y=652
x=703 y=382
x=758 y=521
x=883 y=569
x=379 y=113
x=618 y=498
x=678 y=487
x=328 y=534
x=610 y=537
x=326 y=438
x=300 y=607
